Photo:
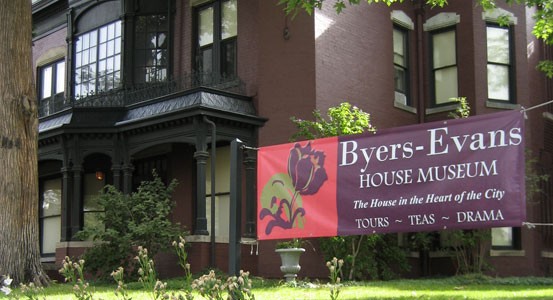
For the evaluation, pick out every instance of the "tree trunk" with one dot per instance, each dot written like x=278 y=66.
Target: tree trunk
x=19 y=230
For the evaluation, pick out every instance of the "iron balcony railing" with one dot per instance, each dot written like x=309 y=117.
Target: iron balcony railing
x=123 y=97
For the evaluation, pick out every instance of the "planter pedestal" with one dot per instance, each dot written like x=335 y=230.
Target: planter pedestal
x=290 y=262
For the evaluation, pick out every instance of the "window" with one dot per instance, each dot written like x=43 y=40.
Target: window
x=216 y=40
x=92 y=210
x=98 y=60
x=143 y=170
x=151 y=54
x=51 y=86
x=504 y=238
x=401 y=71
x=50 y=215
x=444 y=67
x=500 y=71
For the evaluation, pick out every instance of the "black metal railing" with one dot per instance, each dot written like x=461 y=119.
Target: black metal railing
x=143 y=92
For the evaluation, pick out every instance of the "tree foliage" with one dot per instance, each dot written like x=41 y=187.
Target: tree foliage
x=543 y=27
x=343 y=119
x=293 y=6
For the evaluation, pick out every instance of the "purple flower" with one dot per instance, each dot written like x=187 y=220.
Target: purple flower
x=306 y=168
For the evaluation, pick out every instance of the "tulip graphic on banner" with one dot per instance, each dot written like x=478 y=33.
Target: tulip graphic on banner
x=281 y=196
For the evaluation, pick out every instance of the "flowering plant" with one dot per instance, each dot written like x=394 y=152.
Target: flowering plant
x=148 y=275
x=293 y=243
x=335 y=268
x=209 y=286
x=6 y=282
x=74 y=273
x=240 y=288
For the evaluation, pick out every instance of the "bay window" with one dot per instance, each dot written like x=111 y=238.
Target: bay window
x=98 y=60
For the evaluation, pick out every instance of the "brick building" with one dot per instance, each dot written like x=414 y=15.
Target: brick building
x=126 y=86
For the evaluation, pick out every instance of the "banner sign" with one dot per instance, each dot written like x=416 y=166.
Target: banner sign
x=455 y=174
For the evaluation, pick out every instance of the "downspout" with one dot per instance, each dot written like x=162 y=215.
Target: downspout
x=213 y=158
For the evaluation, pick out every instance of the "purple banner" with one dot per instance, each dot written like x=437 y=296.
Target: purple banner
x=455 y=174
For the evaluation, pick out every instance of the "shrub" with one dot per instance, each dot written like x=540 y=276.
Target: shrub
x=367 y=257
x=141 y=218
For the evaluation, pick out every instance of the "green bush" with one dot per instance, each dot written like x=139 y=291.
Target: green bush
x=138 y=219
x=375 y=256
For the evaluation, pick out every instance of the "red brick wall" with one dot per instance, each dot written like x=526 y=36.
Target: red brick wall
x=286 y=71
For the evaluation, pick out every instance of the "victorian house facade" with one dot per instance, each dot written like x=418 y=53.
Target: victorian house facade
x=127 y=86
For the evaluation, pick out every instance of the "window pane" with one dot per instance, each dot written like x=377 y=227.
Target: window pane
x=51 y=198
x=91 y=206
x=85 y=58
x=103 y=34
x=51 y=234
x=85 y=40
x=60 y=77
x=46 y=87
x=93 y=39
x=111 y=48
x=445 y=81
x=151 y=32
x=50 y=211
x=92 y=189
x=117 y=29
x=228 y=59
x=205 y=27
x=498 y=45
x=92 y=55
x=399 y=48
x=229 y=22
x=400 y=79
x=444 y=49
x=78 y=44
x=78 y=61
x=206 y=66
x=103 y=51
x=117 y=62
x=502 y=237
x=498 y=82
x=161 y=39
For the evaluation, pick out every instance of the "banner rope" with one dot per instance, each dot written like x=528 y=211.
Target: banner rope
x=530 y=225
x=524 y=110
x=249 y=148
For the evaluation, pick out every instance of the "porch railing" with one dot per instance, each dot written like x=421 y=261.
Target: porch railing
x=144 y=92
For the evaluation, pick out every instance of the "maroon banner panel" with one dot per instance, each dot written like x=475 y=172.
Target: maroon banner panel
x=455 y=174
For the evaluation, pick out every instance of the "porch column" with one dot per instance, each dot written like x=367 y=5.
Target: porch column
x=66 y=204
x=116 y=171
x=201 y=220
x=128 y=169
x=76 y=203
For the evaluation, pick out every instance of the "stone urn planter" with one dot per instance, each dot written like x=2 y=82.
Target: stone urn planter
x=290 y=262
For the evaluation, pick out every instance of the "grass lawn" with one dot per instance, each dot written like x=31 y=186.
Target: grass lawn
x=465 y=287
